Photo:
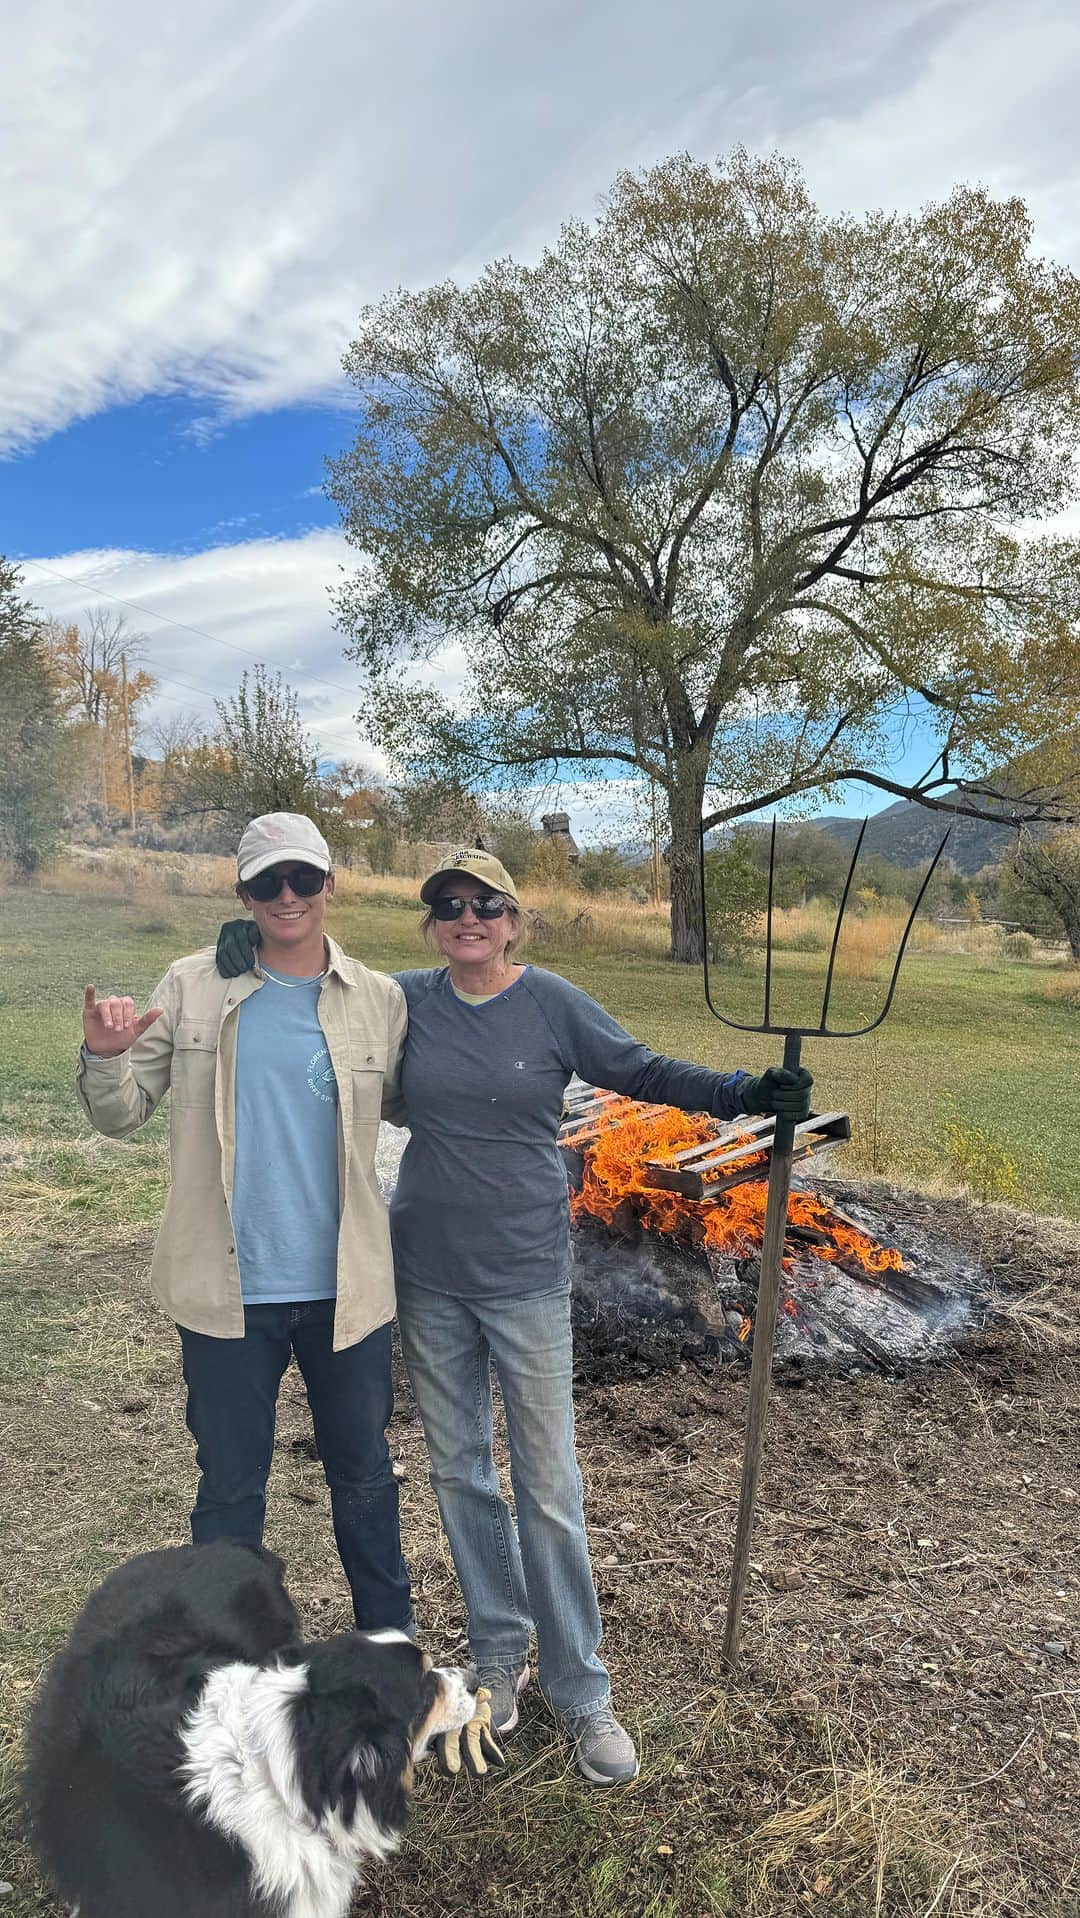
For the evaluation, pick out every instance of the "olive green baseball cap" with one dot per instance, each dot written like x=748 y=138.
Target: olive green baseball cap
x=471 y=863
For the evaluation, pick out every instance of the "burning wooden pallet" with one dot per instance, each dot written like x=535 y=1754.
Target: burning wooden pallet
x=703 y=1172
x=637 y=1166
x=736 y=1151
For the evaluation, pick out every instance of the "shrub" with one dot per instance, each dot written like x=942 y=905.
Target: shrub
x=980 y=1160
x=379 y=844
x=552 y=865
x=515 y=842
x=1018 y=945
x=604 y=871
x=735 y=895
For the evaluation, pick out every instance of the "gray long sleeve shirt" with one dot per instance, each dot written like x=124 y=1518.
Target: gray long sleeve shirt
x=481 y=1203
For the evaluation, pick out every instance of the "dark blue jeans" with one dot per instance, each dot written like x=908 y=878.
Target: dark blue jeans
x=232 y=1391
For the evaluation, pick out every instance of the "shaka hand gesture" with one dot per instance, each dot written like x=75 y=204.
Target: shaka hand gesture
x=110 y=1025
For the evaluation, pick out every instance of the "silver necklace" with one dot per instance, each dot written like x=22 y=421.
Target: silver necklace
x=291 y=985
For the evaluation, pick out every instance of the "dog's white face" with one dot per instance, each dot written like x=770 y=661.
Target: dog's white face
x=328 y=1742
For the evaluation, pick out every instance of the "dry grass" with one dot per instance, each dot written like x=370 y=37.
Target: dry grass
x=871 y=936
x=151 y=877
x=568 y=918
x=567 y=921
x=119 y=873
x=564 y=921
x=573 y=922
x=1040 y=1316
x=876 y=1754
x=864 y=1829
x=1062 y=988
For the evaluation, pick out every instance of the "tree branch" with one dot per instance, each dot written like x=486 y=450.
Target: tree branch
x=1029 y=809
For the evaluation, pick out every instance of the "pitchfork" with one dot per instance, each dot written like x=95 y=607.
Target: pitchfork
x=776 y=1206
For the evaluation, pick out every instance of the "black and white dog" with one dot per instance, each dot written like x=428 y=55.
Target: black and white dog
x=188 y=1756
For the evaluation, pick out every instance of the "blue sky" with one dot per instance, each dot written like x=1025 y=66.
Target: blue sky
x=194 y=208
x=145 y=476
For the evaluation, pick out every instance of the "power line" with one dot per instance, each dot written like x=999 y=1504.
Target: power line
x=331 y=732
x=192 y=686
x=208 y=692
x=182 y=626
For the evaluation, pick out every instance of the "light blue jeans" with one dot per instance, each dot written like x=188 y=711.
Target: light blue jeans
x=536 y=1574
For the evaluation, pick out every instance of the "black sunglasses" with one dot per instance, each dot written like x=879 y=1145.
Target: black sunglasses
x=490 y=905
x=305 y=882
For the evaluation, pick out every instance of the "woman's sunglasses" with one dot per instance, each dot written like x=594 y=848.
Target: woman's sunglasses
x=490 y=905
x=305 y=882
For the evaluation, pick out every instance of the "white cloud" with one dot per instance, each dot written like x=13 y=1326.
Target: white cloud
x=208 y=617
x=203 y=198
x=993 y=100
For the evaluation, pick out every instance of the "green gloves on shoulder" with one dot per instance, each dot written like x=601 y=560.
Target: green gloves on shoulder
x=237 y=944
x=787 y=1094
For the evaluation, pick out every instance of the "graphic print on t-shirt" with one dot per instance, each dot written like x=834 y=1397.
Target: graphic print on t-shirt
x=320 y=1076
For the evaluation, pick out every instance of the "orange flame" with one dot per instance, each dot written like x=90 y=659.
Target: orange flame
x=615 y=1145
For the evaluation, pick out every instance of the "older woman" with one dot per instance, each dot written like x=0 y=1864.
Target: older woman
x=480 y=1225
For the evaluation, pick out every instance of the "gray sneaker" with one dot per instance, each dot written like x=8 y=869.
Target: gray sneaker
x=605 y=1752
x=504 y=1685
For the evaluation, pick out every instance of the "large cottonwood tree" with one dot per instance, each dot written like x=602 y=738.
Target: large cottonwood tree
x=713 y=489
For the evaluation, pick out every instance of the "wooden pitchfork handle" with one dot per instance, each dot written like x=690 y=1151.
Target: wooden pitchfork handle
x=768 y=1299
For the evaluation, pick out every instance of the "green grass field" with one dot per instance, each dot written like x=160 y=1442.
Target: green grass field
x=971 y=1080
x=913 y=1543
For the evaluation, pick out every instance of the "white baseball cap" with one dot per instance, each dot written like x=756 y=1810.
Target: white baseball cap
x=280 y=835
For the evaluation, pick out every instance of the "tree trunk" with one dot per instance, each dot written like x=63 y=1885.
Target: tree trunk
x=1053 y=871
x=684 y=807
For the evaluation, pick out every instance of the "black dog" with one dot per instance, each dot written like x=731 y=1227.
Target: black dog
x=188 y=1756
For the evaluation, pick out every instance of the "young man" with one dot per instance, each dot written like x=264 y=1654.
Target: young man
x=274 y=1240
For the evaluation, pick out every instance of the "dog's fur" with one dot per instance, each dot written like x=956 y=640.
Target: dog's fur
x=188 y=1756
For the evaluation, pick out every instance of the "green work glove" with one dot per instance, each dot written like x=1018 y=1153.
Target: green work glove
x=237 y=944
x=787 y=1094
x=473 y=1747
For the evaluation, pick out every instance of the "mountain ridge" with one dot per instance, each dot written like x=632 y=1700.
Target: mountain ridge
x=907 y=834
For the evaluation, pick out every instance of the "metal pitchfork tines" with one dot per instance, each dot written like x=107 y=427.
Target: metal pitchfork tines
x=776 y=1206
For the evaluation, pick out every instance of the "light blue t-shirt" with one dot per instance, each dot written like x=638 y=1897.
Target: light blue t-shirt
x=285 y=1181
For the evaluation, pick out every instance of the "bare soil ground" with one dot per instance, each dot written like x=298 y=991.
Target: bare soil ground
x=903 y=1734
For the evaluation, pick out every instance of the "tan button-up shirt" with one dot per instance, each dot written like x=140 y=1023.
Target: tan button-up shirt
x=191 y=1050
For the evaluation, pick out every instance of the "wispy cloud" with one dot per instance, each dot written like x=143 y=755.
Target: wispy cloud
x=203 y=199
